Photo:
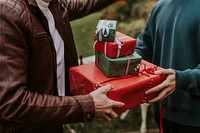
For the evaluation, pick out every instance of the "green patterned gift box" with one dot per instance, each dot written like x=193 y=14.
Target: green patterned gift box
x=118 y=66
x=105 y=30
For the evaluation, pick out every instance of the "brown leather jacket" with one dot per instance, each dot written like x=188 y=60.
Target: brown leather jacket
x=28 y=84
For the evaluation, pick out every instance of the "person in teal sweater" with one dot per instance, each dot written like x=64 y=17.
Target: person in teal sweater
x=171 y=39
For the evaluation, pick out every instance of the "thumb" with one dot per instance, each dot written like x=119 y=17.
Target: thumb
x=106 y=88
x=164 y=71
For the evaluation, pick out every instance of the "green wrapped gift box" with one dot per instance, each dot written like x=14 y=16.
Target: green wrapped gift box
x=106 y=30
x=118 y=66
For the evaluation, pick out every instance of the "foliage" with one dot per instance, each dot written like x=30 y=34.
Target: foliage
x=120 y=11
x=131 y=2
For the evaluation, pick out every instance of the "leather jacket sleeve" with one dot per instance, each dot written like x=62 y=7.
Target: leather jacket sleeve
x=80 y=8
x=19 y=105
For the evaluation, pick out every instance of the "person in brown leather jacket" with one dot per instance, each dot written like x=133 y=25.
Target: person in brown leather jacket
x=30 y=56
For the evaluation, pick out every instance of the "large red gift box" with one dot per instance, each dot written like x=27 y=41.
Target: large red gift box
x=122 y=46
x=128 y=89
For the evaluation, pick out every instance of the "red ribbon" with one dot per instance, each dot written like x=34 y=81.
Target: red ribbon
x=128 y=65
x=151 y=70
x=144 y=69
x=161 y=115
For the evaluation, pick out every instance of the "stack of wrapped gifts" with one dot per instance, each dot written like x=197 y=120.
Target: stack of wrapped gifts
x=116 y=63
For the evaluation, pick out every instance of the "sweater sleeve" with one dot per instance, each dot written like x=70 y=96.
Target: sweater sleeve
x=144 y=43
x=189 y=80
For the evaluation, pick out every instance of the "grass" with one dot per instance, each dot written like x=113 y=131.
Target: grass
x=129 y=124
x=84 y=30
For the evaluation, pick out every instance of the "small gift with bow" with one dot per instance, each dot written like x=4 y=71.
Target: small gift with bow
x=121 y=46
x=105 y=30
x=129 y=89
x=121 y=66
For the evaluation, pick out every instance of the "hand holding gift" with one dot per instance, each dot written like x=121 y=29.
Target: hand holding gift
x=166 y=87
x=103 y=105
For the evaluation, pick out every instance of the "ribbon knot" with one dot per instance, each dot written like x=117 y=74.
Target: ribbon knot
x=103 y=29
x=144 y=69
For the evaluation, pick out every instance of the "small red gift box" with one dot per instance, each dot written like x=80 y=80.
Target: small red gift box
x=122 y=46
x=128 y=89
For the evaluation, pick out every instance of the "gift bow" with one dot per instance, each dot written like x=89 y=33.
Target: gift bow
x=119 y=44
x=103 y=29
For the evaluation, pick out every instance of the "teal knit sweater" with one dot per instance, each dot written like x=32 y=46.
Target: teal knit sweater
x=171 y=39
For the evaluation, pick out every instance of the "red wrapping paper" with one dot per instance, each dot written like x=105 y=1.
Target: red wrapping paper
x=110 y=49
x=128 y=89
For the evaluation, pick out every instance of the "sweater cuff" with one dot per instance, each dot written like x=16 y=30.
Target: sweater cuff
x=87 y=105
x=180 y=80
